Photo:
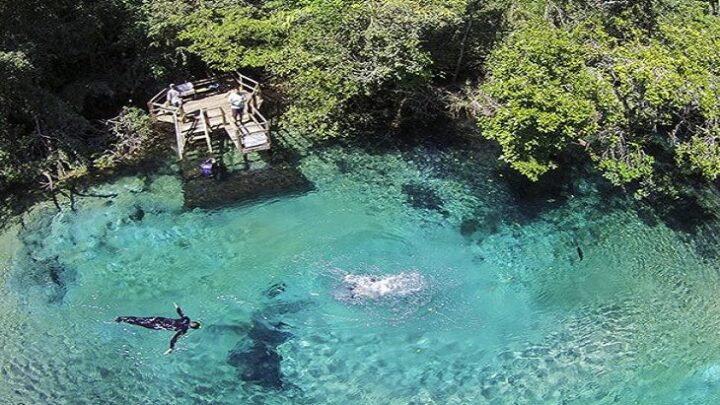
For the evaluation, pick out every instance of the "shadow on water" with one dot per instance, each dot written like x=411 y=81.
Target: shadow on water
x=505 y=196
x=686 y=215
x=421 y=196
x=693 y=218
x=531 y=199
x=238 y=186
x=575 y=177
x=256 y=357
x=242 y=187
x=483 y=224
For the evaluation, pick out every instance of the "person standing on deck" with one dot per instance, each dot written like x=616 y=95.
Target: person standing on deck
x=181 y=325
x=173 y=97
x=237 y=105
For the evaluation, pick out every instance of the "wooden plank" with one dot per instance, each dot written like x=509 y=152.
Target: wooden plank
x=179 y=137
x=206 y=127
x=254 y=137
x=231 y=130
x=201 y=116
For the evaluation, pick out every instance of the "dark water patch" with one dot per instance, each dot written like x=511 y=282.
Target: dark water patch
x=257 y=363
x=255 y=357
x=236 y=329
x=685 y=214
x=481 y=224
x=420 y=196
x=469 y=226
x=469 y=162
x=33 y=267
x=137 y=214
x=647 y=215
x=268 y=332
x=48 y=274
x=693 y=212
x=59 y=276
x=245 y=186
x=696 y=222
x=105 y=373
x=56 y=271
x=533 y=198
x=704 y=240
x=514 y=198
x=275 y=290
x=183 y=243
x=344 y=166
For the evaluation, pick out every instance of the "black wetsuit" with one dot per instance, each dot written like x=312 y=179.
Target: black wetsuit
x=160 y=323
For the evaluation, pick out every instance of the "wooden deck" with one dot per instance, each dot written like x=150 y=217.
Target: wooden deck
x=206 y=114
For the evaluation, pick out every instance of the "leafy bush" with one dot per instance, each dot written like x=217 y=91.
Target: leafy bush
x=620 y=95
x=132 y=133
x=546 y=97
x=334 y=61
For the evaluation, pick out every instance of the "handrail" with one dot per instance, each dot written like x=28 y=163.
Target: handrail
x=206 y=124
x=264 y=120
x=158 y=106
x=179 y=137
x=171 y=110
x=252 y=114
x=161 y=93
x=243 y=82
x=242 y=77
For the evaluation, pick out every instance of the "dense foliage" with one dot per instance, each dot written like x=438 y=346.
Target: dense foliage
x=65 y=66
x=634 y=85
x=642 y=97
x=334 y=62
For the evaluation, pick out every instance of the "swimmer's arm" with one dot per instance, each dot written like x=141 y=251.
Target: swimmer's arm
x=179 y=310
x=173 y=341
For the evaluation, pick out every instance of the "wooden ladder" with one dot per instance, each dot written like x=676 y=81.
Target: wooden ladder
x=199 y=129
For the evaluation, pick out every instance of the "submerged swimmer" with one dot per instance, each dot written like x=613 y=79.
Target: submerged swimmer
x=160 y=323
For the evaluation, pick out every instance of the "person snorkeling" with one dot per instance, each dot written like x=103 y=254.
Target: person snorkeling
x=160 y=323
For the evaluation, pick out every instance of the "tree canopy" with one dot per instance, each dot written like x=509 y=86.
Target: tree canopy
x=634 y=85
x=639 y=96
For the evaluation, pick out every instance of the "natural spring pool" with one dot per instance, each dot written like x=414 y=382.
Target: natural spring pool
x=499 y=306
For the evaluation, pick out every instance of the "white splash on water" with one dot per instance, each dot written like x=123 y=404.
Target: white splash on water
x=357 y=287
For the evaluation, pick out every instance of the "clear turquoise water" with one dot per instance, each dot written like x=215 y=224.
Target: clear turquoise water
x=510 y=313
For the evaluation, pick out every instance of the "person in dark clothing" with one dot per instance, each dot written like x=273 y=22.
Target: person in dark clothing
x=160 y=323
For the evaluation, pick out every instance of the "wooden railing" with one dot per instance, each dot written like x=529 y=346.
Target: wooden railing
x=158 y=105
x=206 y=129
x=179 y=137
x=264 y=125
x=155 y=107
x=222 y=114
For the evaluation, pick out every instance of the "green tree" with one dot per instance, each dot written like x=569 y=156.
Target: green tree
x=543 y=98
x=642 y=101
x=337 y=63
